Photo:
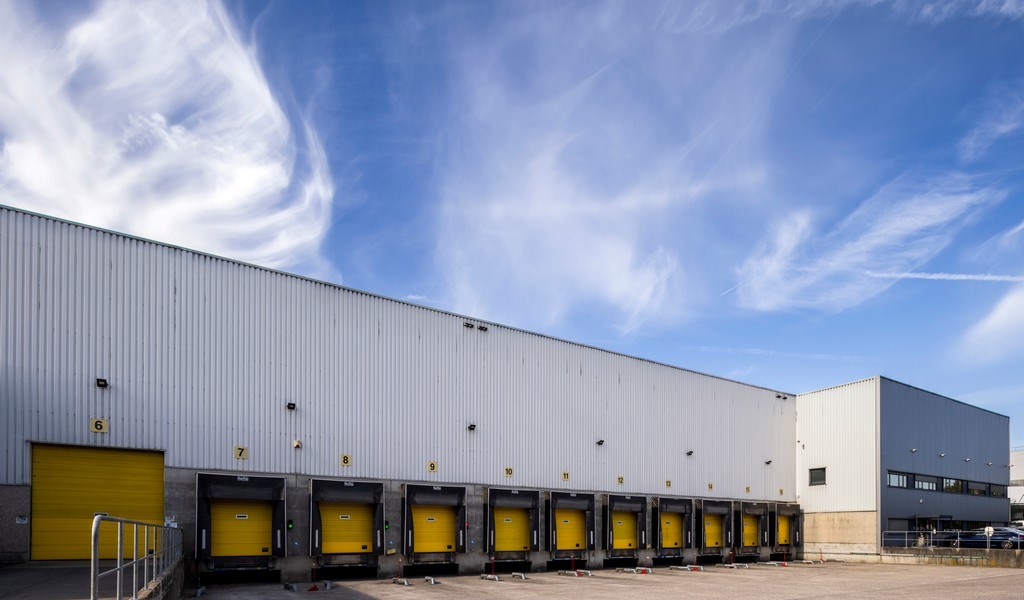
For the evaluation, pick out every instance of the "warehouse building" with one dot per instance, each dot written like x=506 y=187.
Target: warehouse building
x=277 y=419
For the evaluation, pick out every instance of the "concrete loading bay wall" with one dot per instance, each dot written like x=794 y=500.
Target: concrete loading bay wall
x=180 y=505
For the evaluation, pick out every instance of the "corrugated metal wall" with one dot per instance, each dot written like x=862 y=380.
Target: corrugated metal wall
x=202 y=354
x=836 y=429
x=934 y=425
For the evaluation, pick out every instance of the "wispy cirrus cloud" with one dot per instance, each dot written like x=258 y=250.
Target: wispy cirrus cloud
x=155 y=118
x=1001 y=114
x=999 y=336
x=947 y=276
x=901 y=227
x=571 y=163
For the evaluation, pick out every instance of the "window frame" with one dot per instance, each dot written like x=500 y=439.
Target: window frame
x=907 y=478
x=811 y=473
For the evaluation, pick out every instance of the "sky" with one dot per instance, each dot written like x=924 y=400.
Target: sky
x=790 y=194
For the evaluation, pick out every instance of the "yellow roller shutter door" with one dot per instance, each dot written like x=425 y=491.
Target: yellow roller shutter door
x=750 y=530
x=671 y=530
x=511 y=529
x=712 y=531
x=241 y=527
x=623 y=530
x=783 y=530
x=570 y=529
x=433 y=528
x=71 y=484
x=347 y=527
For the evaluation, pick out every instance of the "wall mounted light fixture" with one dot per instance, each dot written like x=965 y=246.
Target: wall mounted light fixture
x=913 y=449
x=471 y=427
x=600 y=442
x=942 y=455
x=767 y=462
x=102 y=383
x=689 y=452
x=290 y=406
x=967 y=460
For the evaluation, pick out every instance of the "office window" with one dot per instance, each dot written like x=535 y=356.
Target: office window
x=899 y=480
x=817 y=476
x=926 y=482
x=977 y=489
x=954 y=486
x=997 y=491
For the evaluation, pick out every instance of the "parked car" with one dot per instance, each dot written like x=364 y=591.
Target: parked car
x=1002 y=537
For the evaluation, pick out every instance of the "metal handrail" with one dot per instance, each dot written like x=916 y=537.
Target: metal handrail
x=950 y=538
x=160 y=554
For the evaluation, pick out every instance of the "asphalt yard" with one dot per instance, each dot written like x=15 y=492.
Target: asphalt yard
x=830 y=580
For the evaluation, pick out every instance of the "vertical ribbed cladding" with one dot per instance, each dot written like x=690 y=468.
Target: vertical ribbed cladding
x=837 y=431
x=203 y=354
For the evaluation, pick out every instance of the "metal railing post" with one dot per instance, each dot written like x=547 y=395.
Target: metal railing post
x=94 y=576
x=145 y=555
x=120 y=560
x=135 y=559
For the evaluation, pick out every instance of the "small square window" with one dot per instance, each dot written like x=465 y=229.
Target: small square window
x=817 y=476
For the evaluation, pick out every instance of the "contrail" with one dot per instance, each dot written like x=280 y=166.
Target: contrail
x=946 y=276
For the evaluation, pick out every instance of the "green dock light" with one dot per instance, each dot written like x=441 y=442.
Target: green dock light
x=291 y=524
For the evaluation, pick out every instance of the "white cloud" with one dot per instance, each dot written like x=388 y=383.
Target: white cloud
x=895 y=231
x=1000 y=115
x=1000 y=335
x=584 y=156
x=947 y=276
x=154 y=118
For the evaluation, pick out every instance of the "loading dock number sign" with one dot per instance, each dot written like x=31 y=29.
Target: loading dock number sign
x=346 y=460
x=432 y=466
x=620 y=480
x=508 y=471
x=99 y=426
x=241 y=453
x=668 y=483
x=565 y=476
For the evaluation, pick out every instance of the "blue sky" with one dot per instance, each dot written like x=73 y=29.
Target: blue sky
x=794 y=195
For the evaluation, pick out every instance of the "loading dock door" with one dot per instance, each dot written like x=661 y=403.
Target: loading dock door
x=433 y=528
x=570 y=529
x=671 y=530
x=70 y=485
x=347 y=527
x=783 y=530
x=713 y=531
x=511 y=529
x=750 y=530
x=623 y=530
x=241 y=527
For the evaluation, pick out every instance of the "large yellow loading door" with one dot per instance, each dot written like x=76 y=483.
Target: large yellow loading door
x=511 y=529
x=433 y=528
x=241 y=527
x=570 y=529
x=713 y=531
x=671 y=530
x=347 y=527
x=70 y=485
x=782 y=535
x=623 y=530
x=750 y=530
